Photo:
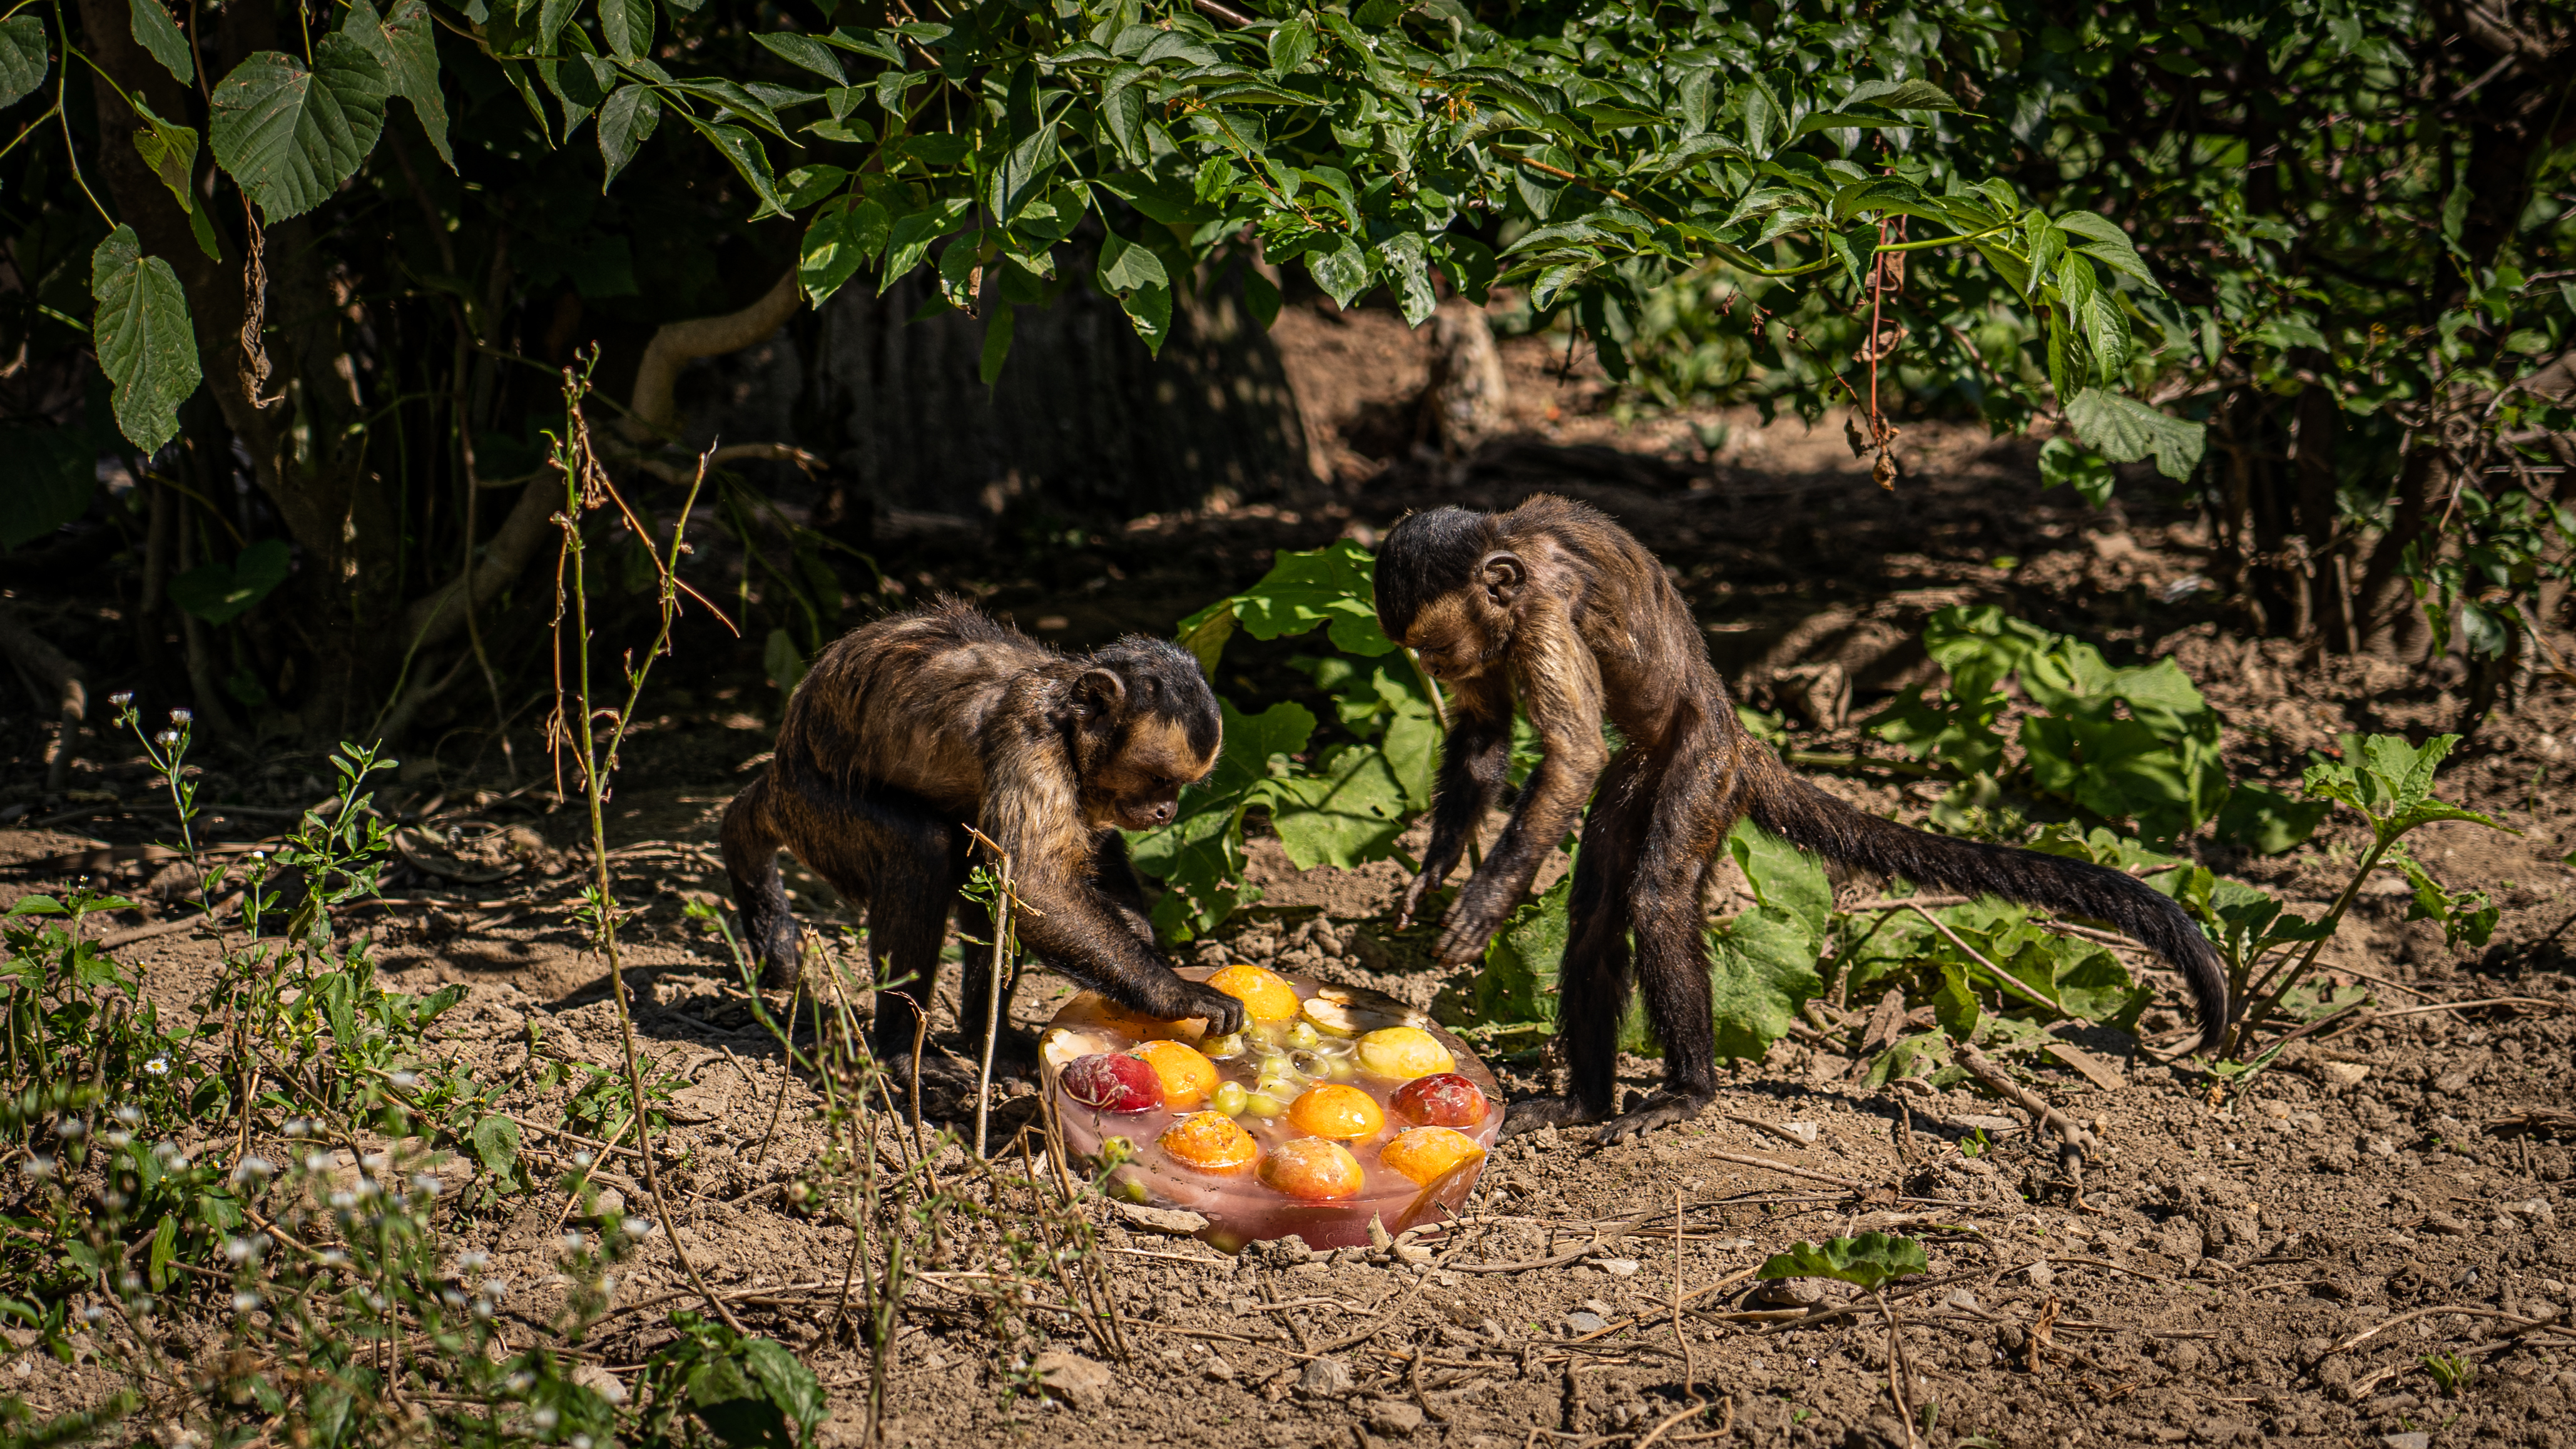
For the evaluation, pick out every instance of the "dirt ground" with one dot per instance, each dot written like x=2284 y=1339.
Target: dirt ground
x=2261 y=1270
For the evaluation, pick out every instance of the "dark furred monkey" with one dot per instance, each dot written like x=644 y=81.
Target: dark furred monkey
x=911 y=728
x=1555 y=604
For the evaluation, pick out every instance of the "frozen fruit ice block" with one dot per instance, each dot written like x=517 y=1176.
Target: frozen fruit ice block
x=1335 y=1106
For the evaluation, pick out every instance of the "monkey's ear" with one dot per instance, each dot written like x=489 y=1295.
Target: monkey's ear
x=1098 y=693
x=1503 y=575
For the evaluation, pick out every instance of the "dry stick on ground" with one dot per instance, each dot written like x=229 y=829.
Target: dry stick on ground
x=582 y=473
x=2367 y=1334
x=2073 y=1141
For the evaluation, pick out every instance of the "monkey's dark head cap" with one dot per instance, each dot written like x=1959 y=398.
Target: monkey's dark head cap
x=1426 y=555
x=1164 y=679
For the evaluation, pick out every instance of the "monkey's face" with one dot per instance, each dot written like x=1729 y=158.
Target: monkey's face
x=1459 y=635
x=1136 y=784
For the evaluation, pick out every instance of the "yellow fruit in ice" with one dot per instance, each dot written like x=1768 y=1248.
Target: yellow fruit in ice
x=1187 y=1076
x=1266 y=995
x=1424 y=1153
x=1335 y=1111
x=1403 y=1053
x=1210 y=1142
x=1312 y=1170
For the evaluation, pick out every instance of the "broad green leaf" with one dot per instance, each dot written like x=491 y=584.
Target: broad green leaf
x=2124 y=430
x=165 y=1247
x=159 y=35
x=2267 y=821
x=997 y=343
x=1330 y=586
x=47 y=478
x=840 y=240
x=2063 y=460
x=801 y=50
x=1869 y=1261
x=1199 y=856
x=1782 y=876
x=2106 y=332
x=627 y=26
x=1517 y=984
x=1762 y=968
x=25 y=56
x=1340 y=269
x=1134 y=275
x=496 y=1145
x=1907 y=95
x=909 y=239
x=2101 y=238
x=290 y=135
x=750 y=162
x=786 y=1382
x=1347 y=813
x=402 y=43
x=146 y=344
x=219 y=593
x=171 y=152
x=1406 y=268
x=1291 y=45
x=626 y=122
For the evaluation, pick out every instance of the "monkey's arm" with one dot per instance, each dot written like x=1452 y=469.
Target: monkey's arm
x=1475 y=756
x=1560 y=688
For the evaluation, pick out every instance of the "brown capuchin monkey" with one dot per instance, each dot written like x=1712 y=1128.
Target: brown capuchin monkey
x=1556 y=606
x=908 y=730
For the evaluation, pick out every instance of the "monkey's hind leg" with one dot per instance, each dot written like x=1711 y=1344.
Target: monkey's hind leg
x=1667 y=886
x=1597 y=976
x=751 y=839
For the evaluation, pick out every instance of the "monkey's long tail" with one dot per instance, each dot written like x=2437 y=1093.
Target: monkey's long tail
x=1797 y=811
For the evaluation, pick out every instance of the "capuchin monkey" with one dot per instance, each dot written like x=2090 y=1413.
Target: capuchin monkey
x=1557 y=607
x=910 y=729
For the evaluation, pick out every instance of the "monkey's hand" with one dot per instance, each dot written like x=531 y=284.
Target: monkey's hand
x=1471 y=924
x=1186 y=999
x=1424 y=883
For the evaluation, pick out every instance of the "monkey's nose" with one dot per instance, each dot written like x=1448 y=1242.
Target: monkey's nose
x=1162 y=812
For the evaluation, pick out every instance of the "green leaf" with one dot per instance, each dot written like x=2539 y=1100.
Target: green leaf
x=47 y=478
x=1340 y=269
x=1870 y=1261
x=1134 y=275
x=1517 y=985
x=1906 y=95
x=2102 y=239
x=1406 y=267
x=802 y=50
x=1330 y=586
x=165 y=1246
x=496 y=1145
x=291 y=135
x=25 y=57
x=1782 y=876
x=1762 y=968
x=218 y=593
x=2124 y=430
x=2268 y=821
x=626 y=122
x=2106 y=333
x=839 y=241
x=750 y=162
x=404 y=45
x=785 y=1381
x=171 y=153
x=911 y=236
x=146 y=344
x=1348 y=813
x=1291 y=45
x=2063 y=460
x=997 y=343
x=159 y=35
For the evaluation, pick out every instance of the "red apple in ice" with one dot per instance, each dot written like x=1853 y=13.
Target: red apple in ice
x=1443 y=1099
x=1113 y=1082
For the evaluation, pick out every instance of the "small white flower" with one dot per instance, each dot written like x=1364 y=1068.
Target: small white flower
x=71 y=1127
x=341 y=1200
x=316 y=1161
x=332 y=1258
x=581 y=1441
x=240 y=1250
x=520 y=1383
x=259 y=855
x=608 y=1284
x=425 y=1184
x=92 y=1314
x=182 y=715
x=36 y=1169
x=638 y=1227
x=451 y=1297
x=116 y=1138
x=130 y=1282
x=572 y=1240
x=251 y=1167
x=166 y=738
x=543 y=1418
x=158 y=1066
x=121 y=698
x=471 y=1263
x=405 y=1080
x=581 y=1158
x=244 y=1302
x=130 y=1115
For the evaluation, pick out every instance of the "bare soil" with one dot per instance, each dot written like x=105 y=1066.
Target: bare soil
x=2259 y=1269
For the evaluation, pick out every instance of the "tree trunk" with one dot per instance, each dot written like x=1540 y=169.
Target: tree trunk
x=1082 y=419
